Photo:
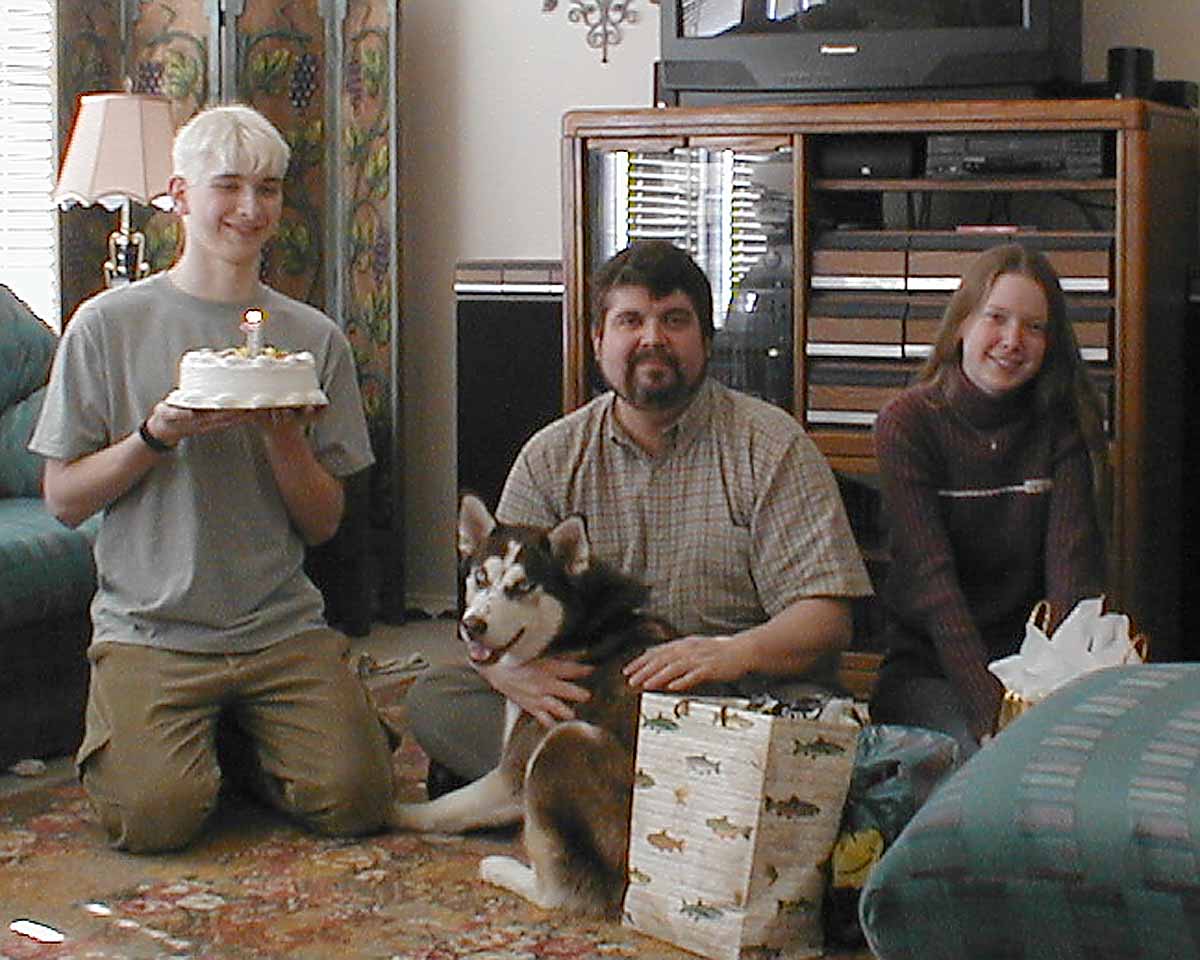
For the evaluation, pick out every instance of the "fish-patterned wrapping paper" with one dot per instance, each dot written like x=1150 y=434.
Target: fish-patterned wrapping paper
x=735 y=813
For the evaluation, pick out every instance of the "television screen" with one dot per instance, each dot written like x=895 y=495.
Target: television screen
x=711 y=18
x=813 y=50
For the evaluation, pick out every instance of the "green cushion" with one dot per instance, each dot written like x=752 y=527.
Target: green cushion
x=27 y=346
x=1074 y=834
x=46 y=569
x=20 y=470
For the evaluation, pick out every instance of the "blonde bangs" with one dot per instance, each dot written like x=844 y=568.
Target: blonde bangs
x=232 y=139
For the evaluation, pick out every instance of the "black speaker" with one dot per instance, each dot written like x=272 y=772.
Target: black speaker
x=860 y=156
x=1131 y=71
x=1189 y=559
x=509 y=354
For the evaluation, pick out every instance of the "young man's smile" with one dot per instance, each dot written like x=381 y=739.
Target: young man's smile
x=232 y=215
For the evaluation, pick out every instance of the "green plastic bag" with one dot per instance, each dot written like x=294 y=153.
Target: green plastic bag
x=895 y=770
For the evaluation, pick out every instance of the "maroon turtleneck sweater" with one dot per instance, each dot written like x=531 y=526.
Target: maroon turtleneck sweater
x=989 y=510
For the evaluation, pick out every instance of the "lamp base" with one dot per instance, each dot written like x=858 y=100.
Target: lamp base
x=126 y=258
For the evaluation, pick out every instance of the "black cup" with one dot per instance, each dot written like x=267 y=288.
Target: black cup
x=1131 y=71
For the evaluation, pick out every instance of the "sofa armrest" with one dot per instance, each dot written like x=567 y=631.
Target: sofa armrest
x=27 y=348
x=20 y=470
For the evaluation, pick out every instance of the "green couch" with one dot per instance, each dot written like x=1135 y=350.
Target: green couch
x=47 y=575
x=1073 y=835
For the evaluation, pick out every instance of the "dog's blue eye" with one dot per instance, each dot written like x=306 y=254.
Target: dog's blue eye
x=518 y=589
x=480 y=577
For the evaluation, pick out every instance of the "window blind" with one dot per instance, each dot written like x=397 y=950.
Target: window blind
x=28 y=220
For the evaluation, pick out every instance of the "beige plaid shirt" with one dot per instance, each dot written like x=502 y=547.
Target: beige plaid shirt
x=736 y=520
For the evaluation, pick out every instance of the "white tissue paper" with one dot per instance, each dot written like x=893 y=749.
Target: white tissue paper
x=1087 y=639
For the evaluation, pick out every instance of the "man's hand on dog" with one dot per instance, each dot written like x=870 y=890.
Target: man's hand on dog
x=542 y=687
x=686 y=663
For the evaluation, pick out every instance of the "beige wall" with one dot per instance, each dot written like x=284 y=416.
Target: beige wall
x=487 y=84
x=486 y=87
x=1168 y=27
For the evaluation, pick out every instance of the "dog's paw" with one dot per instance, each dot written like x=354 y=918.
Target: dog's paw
x=506 y=872
x=514 y=876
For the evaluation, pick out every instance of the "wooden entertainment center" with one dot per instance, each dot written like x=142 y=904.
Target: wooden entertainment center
x=851 y=238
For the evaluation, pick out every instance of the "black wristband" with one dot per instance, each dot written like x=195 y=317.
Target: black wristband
x=150 y=440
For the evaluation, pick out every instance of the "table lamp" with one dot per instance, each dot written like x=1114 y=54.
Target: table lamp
x=119 y=151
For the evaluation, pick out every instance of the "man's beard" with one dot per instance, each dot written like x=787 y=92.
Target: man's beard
x=672 y=393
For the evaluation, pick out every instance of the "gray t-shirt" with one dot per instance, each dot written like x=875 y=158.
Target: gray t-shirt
x=200 y=554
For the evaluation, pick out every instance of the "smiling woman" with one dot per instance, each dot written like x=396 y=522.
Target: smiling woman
x=987 y=468
x=29 y=227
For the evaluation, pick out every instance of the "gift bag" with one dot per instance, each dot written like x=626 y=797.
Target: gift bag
x=1087 y=639
x=735 y=813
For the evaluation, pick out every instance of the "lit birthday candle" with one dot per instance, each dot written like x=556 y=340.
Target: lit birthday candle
x=252 y=323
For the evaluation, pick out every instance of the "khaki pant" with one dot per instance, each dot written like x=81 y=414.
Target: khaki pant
x=457 y=719
x=149 y=757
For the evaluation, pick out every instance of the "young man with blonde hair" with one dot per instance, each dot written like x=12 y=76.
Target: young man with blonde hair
x=203 y=610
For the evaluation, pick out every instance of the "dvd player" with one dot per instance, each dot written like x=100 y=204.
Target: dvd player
x=1076 y=155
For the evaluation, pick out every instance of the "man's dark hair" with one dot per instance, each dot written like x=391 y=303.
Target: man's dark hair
x=660 y=267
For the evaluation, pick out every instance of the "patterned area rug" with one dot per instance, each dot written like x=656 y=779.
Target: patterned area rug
x=257 y=886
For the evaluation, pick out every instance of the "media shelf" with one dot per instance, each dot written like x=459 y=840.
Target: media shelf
x=834 y=235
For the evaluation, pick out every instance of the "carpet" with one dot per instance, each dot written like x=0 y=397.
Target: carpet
x=257 y=886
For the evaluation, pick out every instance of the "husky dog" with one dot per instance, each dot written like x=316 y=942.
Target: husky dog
x=532 y=592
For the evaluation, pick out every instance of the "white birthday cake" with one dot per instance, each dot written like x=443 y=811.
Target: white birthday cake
x=232 y=379
x=250 y=377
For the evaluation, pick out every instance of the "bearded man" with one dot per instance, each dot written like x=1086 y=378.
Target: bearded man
x=717 y=501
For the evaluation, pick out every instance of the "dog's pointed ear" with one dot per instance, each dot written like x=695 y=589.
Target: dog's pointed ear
x=474 y=524
x=569 y=544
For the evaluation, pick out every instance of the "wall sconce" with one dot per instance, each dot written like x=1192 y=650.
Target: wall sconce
x=603 y=19
x=119 y=151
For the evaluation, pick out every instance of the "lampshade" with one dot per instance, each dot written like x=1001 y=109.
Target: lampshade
x=120 y=149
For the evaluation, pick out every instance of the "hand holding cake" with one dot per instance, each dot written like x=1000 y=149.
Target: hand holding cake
x=167 y=424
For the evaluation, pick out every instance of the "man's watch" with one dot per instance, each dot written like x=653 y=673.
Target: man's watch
x=150 y=440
